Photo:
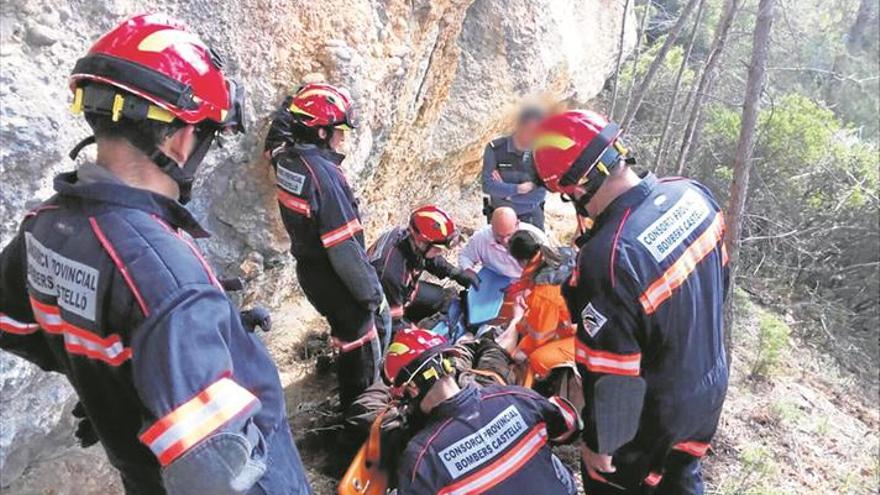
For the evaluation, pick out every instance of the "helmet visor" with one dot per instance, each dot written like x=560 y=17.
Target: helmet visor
x=233 y=121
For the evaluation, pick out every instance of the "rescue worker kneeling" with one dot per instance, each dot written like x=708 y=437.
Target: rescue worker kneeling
x=104 y=285
x=493 y=439
x=402 y=254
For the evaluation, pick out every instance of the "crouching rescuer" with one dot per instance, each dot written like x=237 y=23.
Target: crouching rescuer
x=647 y=296
x=492 y=439
x=321 y=216
x=104 y=284
x=401 y=255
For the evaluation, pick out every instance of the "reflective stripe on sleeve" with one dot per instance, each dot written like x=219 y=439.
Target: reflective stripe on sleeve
x=340 y=234
x=80 y=341
x=297 y=205
x=344 y=347
x=674 y=276
x=501 y=469
x=197 y=418
x=11 y=325
x=608 y=362
x=572 y=419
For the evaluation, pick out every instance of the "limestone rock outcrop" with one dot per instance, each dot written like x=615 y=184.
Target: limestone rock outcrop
x=433 y=80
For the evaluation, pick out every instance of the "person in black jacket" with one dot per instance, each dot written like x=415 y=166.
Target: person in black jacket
x=647 y=296
x=403 y=253
x=104 y=284
x=321 y=215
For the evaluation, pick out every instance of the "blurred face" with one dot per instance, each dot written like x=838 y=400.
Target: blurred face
x=526 y=132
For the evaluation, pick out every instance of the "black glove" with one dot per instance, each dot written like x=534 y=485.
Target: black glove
x=466 y=278
x=257 y=316
x=84 y=433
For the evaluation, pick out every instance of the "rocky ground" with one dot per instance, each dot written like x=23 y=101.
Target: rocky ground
x=803 y=426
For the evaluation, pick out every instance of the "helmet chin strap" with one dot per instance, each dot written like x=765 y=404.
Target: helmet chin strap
x=182 y=175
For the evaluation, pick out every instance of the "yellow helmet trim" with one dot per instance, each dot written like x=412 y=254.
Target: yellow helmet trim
x=160 y=40
x=160 y=114
x=77 y=105
x=397 y=348
x=118 y=104
x=437 y=217
x=323 y=92
x=553 y=141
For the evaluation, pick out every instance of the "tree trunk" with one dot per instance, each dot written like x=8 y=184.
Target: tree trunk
x=742 y=162
x=640 y=33
x=671 y=36
x=661 y=145
x=619 y=58
x=699 y=90
x=855 y=39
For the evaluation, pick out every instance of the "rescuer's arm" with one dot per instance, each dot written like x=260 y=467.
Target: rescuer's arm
x=441 y=268
x=391 y=276
x=492 y=183
x=339 y=226
x=562 y=419
x=19 y=332
x=609 y=359
x=198 y=420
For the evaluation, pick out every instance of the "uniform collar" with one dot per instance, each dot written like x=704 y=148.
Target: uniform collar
x=511 y=148
x=630 y=198
x=67 y=184
x=450 y=408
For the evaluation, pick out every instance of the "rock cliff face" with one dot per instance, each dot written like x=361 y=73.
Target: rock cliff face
x=433 y=81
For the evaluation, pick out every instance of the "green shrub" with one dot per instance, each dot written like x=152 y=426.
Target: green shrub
x=772 y=341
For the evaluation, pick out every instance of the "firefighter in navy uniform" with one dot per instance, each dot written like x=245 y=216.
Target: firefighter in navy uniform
x=492 y=439
x=321 y=216
x=648 y=296
x=103 y=284
x=402 y=254
x=508 y=176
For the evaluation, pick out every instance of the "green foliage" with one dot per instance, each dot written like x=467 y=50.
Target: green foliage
x=772 y=343
x=786 y=412
x=757 y=465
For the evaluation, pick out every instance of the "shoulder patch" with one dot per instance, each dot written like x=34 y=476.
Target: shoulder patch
x=485 y=444
x=74 y=284
x=593 y=320
x=674 y=226
x=290 y=181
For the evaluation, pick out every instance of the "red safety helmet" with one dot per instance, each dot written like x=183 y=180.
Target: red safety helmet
x=158 y=59
x=323 y=105
x=151 y=67
x=574 y=147
x=411 y=357
x=431 y=225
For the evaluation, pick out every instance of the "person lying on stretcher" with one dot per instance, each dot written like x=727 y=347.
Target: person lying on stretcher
x=539 y=293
